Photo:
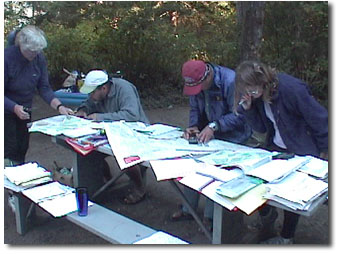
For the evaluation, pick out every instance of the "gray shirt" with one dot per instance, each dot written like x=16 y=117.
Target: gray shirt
x=121 y=103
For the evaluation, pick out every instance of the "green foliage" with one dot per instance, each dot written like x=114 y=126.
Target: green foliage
x=296 y=41
x=149 y=41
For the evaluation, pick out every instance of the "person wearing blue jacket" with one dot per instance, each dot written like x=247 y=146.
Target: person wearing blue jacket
x=281 y=106
x=25 y=72
x=210 y=89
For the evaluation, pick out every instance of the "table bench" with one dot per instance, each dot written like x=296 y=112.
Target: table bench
x=107 y=224
x=111 y=226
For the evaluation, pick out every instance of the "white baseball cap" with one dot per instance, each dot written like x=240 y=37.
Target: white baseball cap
x=92 y=80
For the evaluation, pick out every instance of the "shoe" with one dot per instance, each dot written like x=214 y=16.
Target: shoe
x=11 y=203
x=181 y=216
x=134 y=197
x=278 y=240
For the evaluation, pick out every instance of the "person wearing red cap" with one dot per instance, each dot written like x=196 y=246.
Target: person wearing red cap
x=210 y=89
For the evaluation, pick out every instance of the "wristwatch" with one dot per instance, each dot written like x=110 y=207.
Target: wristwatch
x=213 y=126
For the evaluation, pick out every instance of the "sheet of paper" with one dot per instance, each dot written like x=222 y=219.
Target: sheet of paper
x=196 y=181
x=251 y=200
x=158 y=129
x=127 y=143
x=47 y=191
x=217 y=173
x=79 y=132
x=169 y=169
x=316 y=167
x=161 y=238
x=61 y=206
x=62 y=124
x=298 y=187
x=11 y=186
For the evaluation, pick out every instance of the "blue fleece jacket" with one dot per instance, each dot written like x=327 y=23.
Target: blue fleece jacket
x=232 y=128
x=301 y=120
x=23 y=78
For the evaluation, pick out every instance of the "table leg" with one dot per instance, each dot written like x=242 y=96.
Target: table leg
x=88 y=171
x=22 y=206
x=192 y=212
x=217 y=223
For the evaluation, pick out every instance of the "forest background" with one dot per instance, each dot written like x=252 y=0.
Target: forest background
x=148 y=41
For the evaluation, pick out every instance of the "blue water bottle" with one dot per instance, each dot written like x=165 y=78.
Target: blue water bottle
x=82 y=201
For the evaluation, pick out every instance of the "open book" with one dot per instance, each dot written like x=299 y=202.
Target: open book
x=245 y=159
x=238 y=186
x=55 y=198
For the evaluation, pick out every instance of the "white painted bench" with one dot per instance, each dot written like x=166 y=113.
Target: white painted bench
x=111 y=226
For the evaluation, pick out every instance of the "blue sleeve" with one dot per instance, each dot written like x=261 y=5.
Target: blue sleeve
x=194 y=113
x=253 y=116
x=315 y=115
x=230 y=121
x=9 y=104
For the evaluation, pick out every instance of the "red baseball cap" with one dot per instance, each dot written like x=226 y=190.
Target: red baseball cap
x=194 y=72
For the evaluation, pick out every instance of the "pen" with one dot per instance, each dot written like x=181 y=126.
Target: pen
x=241 y=102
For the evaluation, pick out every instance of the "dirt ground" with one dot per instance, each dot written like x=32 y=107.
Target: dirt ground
x=154 y=211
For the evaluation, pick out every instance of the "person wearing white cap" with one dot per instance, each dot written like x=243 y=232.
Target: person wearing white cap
x=114 y=99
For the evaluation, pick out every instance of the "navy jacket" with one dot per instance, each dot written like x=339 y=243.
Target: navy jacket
x=232 y=128
x=301 y=120
x=23 y=78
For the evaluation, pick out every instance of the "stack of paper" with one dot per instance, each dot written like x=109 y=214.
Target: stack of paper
x=316 y=167
x=297 y=191
x=276 y=170
x=27 y=174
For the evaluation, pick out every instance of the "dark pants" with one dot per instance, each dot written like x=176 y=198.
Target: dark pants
x=289 y=223
x=16 y=138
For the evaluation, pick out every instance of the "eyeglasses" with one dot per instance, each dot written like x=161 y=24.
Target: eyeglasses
x=253 y=92
x=207 y=72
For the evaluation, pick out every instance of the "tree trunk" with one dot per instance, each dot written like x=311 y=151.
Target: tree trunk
x=250 y=22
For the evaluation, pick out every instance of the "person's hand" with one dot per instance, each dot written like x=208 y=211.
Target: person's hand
x=21 y=113
x=81 y=113
x=190 y=131
x=92 y=116
x=246 y=101
x=206 y=135
x=65 y=111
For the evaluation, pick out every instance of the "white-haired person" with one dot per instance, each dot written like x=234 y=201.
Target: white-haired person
x=25 y=71
x=114 y=99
